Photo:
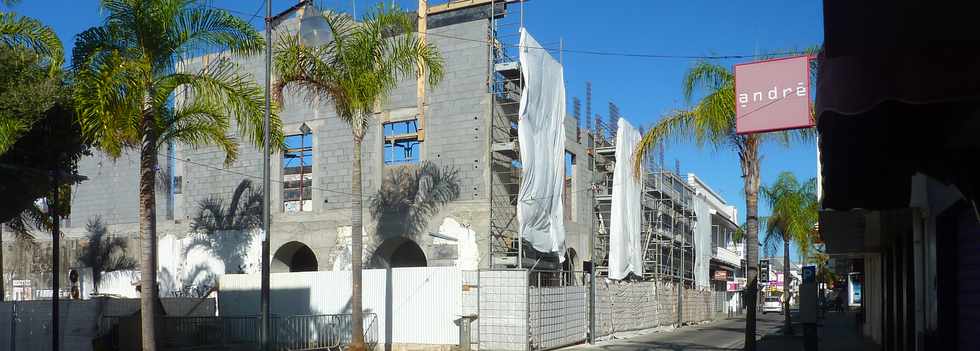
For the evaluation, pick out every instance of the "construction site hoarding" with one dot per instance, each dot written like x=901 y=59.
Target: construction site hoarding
x=773 y=95
x=542 y=140
x=625 y=251
x=702 y=242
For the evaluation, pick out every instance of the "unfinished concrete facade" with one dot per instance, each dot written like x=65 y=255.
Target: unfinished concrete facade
x=311 y=225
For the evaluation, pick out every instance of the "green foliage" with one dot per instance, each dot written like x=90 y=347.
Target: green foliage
x=27 y=92
x=38 y=132
x=26 y=32
x=360 y=65
x=128 y=69
x=794 y=213
x=104 y=252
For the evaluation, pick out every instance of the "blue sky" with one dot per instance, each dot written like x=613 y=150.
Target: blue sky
x=643 y=88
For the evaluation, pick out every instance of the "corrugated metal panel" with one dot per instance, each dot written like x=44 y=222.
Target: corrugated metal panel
x=425 y=301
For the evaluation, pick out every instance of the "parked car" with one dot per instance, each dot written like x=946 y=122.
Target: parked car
x=772 y=304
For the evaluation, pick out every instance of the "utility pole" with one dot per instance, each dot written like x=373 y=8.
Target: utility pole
x=56 y=262
x=264 y=332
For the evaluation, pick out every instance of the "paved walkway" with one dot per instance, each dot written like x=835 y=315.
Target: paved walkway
x=727 y=334
x=837 y=332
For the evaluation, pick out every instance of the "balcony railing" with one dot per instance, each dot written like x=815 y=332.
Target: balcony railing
x=725 y=255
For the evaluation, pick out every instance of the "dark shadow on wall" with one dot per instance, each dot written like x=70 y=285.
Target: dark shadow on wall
x=103 y=252
x=225 y=229
x=408 y=198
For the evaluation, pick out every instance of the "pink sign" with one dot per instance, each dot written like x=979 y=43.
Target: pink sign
x=772 y=95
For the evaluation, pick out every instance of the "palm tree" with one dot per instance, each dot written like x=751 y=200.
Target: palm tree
x=104 y=253
x=712 y=120
x=27 y=32
x=23 y=34
x=224 y=228
x=794 y=214
x=126 y=78
x=355 y=71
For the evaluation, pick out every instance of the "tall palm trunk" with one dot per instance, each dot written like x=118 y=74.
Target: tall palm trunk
x=357 y=318
x=787 y=323
x=749 y=158
x=148 y=234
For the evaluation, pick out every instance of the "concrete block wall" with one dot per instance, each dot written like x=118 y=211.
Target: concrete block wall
x=457 y=124
x=579 y=228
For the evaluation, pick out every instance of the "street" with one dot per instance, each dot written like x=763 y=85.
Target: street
x=727 y=334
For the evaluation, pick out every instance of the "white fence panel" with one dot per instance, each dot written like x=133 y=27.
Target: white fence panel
x=424 y=301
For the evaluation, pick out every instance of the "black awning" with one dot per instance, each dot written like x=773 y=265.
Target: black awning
x=868 y=159
x=898 y=92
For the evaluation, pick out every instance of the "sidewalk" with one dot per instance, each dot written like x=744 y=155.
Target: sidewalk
x=837 y=332
x=719 y=335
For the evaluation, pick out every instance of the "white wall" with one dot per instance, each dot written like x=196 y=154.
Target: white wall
x=424 y=301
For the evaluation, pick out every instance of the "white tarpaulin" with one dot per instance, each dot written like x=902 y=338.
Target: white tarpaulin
x=540 y=132
x=625 y=251
x=702 y=242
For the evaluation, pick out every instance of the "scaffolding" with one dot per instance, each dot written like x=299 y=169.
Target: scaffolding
x=668 y=213
x=504 y=85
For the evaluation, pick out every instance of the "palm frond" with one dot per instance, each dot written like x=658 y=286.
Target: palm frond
x=28 y=32
x=108 y=103
x=203 y=28
x=359 y=66
x=706 y=76
x=224 y=93
x=677 y=125
x=794 y=211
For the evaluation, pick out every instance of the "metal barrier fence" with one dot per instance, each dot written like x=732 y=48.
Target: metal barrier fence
x=557 y=309
x=289 y=333
x=522 y=310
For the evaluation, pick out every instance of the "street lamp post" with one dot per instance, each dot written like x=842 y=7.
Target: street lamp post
x=304 y=130
x=264 y=333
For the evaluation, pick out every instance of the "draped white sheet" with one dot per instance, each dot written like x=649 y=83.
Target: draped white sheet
x=702 y=242
x=540 y=132
x=625 y=250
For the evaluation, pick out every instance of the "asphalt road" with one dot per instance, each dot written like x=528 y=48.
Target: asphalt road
x=718 y=335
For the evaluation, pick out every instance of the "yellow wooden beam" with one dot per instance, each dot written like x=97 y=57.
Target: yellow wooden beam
x=420 y=93
x=456 y=5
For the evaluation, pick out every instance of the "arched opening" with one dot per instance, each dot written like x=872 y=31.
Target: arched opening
x=294 y=256
x=398 y=252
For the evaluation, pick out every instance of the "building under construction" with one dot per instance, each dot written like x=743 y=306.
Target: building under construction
x=467 y=127
x=668 y=214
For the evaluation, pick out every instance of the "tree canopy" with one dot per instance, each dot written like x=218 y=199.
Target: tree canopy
x=38 y=131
